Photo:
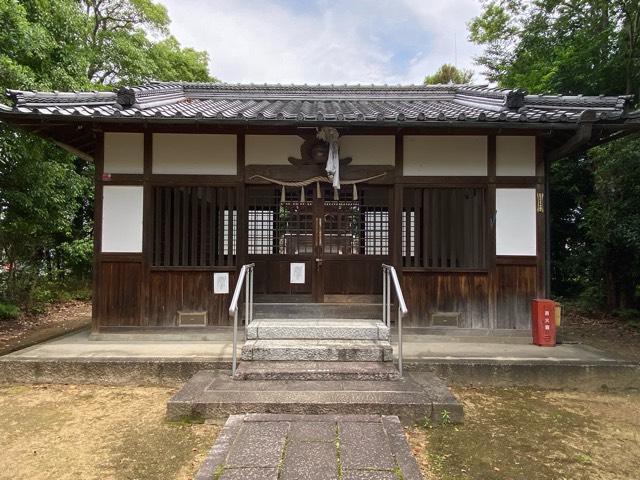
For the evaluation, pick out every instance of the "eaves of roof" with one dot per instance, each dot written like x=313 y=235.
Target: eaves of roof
x=451 y=105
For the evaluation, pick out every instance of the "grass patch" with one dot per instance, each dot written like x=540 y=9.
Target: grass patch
x=9 y=311
x=522 y=434
x=194 y=418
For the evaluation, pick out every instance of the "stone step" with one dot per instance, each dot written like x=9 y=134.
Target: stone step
x=317 y=329
x=316 y=371
x=212 y=394
x=318 y=350
x=317 y=310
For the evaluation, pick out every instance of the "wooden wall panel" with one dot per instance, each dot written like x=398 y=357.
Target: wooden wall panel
x=118 y=294
x=171 y=291
x=360 y=276
x=516 y=287
x=272 y=276
x=429 y=292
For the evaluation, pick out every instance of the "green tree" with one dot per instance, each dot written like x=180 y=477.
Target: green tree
x=46 y=195
x=568 y=46
x=590 y=47
x=128 y=42
x=448 y=73
x=612 y=222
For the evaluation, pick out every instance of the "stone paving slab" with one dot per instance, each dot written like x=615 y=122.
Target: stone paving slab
x=314 y=447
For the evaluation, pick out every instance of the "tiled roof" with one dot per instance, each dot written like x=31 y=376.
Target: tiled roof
x=295 y=104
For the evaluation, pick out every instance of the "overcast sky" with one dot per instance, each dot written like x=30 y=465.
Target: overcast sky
x=325 y=41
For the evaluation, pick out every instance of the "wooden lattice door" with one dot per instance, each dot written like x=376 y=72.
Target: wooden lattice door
x=341 y=240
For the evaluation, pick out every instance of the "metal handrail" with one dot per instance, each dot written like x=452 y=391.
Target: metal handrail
x=389 y=278
x=245 y=279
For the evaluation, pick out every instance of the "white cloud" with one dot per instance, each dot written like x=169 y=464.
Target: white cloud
x=447 y=20
x=324 y=41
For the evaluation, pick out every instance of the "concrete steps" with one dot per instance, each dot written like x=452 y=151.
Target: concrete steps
x=214 y=394
x=317 y=350
x=315 y=371
x=324 y=341
x=317 y=329
x=343 y=311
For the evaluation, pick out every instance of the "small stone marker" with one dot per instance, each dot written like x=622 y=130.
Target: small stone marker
x=319 y=447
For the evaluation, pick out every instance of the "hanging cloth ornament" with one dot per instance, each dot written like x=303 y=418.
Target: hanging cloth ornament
x=302 y=197
x=283 y=195
x=355 y=192
x=318 y=194
x=331 y=135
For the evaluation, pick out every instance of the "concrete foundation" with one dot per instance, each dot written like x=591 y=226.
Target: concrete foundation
x=153 y=360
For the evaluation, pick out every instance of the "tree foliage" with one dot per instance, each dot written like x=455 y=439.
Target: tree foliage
x=570 y=46
x=448 y=73
x=128 y=41
x=590 y=47
x=46 y=194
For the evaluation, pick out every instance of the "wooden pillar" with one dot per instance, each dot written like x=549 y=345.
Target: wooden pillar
x=396 y=219
x=242 y=215
x=97 y=230
x=491 y=233
x=147 y=226
x=542 y=222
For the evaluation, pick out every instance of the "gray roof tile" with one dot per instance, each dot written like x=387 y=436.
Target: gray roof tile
x=221 y=102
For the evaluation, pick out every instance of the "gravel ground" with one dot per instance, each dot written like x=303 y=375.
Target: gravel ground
x=58 y=319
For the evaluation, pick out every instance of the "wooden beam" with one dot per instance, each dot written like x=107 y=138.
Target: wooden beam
x=74 y=151
x=579 y=140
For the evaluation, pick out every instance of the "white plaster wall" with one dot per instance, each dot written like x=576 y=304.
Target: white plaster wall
x=515 y=156
x=123 y=152
x=443 y=155
x=516 y=221
x=369 y=149
x=122 y=218
x=194 y=154
x=271 y=149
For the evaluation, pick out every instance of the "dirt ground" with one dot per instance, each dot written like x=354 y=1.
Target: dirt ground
x=94 y=432
x=603 y=332
x=521 y=434
x=31 y=329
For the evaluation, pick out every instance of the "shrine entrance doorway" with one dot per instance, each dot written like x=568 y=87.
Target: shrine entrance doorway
x=317 y=244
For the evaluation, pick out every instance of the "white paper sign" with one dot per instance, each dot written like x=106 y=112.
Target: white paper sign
x=220 y=283
x=297 y=273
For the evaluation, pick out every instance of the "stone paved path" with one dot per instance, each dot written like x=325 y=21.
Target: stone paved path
x=315 y=447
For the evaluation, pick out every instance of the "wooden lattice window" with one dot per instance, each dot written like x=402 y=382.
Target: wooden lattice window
x=194 y=226
x=444 y=228
x=275 y=227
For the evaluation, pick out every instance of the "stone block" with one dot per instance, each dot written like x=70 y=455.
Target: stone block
x=258 y=445
x=249 y=474
x=369 y=475
x=310 y=460
x=364 y=446
x=313 y=432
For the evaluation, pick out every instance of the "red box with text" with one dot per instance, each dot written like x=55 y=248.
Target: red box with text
x=543 y=322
